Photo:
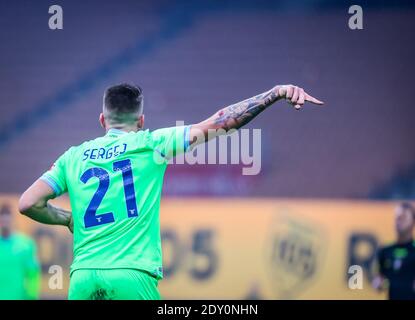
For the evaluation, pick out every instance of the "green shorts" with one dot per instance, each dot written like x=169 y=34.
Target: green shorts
x=113 y=284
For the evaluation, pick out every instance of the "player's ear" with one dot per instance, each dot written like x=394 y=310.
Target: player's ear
x=102 y=120
x=140 y=123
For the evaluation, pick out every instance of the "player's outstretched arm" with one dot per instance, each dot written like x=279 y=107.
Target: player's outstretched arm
x=239 y=114
x=34 y=204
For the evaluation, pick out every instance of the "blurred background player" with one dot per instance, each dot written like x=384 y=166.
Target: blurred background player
x=396 y=262
x=19 y=267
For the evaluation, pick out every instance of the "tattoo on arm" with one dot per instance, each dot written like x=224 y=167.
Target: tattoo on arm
x=49 y=214
x=58 y=215
x=239 y=114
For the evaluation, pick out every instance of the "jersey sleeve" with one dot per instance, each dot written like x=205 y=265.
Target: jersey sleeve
x=170 y=142
x=55 y=176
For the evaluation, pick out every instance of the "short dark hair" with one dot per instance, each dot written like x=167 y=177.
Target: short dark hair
x=124 y=98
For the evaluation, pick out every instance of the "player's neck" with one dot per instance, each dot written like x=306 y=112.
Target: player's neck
x=123 y=128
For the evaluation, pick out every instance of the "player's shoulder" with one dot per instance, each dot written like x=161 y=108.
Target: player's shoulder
x=71 y=151
x=167 y=132
x=84 y=145
x=139 y=139
x=142 y=139
x=149 y=137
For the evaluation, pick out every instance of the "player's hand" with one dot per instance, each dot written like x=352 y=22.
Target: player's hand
x=295 y=96
x=70 y=225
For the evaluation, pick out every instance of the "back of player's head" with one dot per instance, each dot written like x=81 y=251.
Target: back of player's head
x=123 y=99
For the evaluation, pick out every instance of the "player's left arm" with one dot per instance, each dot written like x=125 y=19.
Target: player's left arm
x=35 y=204
x=239 y=114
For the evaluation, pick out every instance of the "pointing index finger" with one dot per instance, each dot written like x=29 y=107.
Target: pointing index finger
x=313 y=100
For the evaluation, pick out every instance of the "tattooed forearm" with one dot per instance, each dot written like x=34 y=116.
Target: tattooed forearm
x=239 y=114
x=58 y=215
x=49 y=214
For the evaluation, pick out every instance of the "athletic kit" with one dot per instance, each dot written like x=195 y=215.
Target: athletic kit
x=114 y=184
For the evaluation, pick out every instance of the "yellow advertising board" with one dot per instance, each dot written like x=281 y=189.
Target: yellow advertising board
x=243 y=249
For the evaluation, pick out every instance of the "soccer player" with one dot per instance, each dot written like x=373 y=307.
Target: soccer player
x=19 y=267
x=396 y=263
x=114 y=184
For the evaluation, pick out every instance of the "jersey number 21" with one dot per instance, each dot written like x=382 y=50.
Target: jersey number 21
x=91 y=219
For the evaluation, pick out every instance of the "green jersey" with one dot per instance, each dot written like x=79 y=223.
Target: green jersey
x=18 y=263
x=114 y=184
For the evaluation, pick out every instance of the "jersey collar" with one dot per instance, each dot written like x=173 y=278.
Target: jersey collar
x=115 y=132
